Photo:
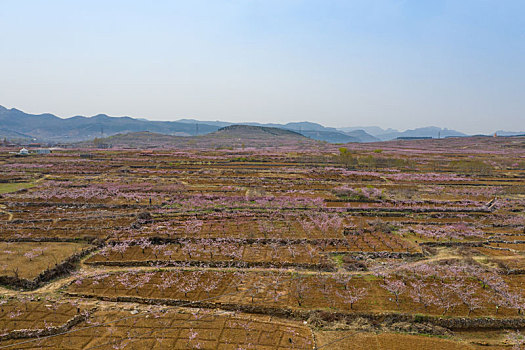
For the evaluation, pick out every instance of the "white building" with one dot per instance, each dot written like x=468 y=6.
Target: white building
x=23 y=151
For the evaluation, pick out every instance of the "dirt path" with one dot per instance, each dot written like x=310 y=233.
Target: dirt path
x=55 y=286
x=42 y=178
x=3 y=210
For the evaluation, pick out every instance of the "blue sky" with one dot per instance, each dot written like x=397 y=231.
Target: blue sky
x=401 y=64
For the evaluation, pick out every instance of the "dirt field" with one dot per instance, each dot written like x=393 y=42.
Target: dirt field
x=29 y=259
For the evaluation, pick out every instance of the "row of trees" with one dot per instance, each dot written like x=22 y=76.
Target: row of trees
x=446 y=286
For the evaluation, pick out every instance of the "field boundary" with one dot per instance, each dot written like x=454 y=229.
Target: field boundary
x=62 y=269
x=452 y=323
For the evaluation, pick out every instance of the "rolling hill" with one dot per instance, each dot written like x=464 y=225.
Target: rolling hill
x=233 y=136
x=312 y=130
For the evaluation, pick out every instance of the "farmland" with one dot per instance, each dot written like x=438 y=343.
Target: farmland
x=202 y=246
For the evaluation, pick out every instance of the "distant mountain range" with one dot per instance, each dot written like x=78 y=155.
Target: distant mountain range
x=17 y=125
x=48 y=127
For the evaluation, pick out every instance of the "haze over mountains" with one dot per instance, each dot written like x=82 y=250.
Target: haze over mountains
x=17 y=125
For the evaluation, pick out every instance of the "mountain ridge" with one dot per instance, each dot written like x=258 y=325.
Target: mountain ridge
x=18 y=125
x=50 y=128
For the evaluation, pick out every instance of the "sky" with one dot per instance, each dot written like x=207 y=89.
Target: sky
x=393 y=63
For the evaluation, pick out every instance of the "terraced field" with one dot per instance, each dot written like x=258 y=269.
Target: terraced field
x=385 y=245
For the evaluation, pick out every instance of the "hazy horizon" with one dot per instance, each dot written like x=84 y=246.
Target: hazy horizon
x=255 y=121
x=392 y=64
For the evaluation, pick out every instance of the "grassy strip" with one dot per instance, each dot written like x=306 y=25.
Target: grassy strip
x=13 y=187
